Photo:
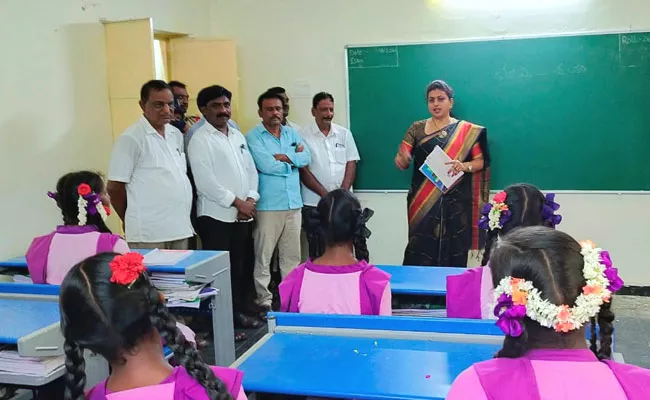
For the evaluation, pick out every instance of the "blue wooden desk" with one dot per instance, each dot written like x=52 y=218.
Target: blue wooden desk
x=308 y=355
x=210 y=267
x=419 y=281
x=407 y=280
x=33 y=326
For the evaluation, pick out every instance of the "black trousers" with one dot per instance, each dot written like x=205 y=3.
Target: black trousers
x=233 y=237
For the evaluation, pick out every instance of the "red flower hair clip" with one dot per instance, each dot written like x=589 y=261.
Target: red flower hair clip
x=127 y=268
x=84 y=189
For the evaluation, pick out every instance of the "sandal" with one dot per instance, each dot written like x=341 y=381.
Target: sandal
x=240 y=337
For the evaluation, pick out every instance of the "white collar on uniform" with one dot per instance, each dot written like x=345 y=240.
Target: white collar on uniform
x=212 y=129
x=148 y=128
x=315 y=130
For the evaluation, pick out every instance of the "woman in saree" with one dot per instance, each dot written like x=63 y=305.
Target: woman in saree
x=443 y=227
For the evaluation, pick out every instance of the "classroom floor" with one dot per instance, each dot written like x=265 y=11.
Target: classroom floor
x=632 y=332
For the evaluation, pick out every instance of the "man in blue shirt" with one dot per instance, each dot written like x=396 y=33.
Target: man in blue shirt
x=278 y=151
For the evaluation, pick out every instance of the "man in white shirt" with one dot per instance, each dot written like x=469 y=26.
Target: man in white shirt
x=226 y=183
x=147 y=175
x=333 y=165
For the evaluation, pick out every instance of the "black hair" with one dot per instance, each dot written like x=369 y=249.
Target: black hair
x=177 y=84
x=210 y=93
x=111 y=319
x=439 y=85
x=339 y=219
x=268 y=95
x=525 y=203
x=553 y=262
x=67 y=198
x=277 y=90
x=320 y=97
x=156 y=85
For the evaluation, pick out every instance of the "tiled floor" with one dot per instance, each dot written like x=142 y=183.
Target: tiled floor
x=632 y=326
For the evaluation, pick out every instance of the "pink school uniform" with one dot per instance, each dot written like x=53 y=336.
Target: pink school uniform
x=50 y=257
x=178 y=386
x=358 y=289
x=549 y=375
x=470 y=294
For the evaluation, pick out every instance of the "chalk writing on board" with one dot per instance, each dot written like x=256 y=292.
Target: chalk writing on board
x=373 y=57
x=634 y=49
x=633 y=38
x=522 y=73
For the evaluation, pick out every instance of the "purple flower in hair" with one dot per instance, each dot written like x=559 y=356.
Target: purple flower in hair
x=510 y=316
x=505 y=217
x=611 y=273
x=549 y=209
x=484 y=221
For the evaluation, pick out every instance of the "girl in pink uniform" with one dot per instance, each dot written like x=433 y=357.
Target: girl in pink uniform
x=109 y=307
x=85 y=206
x=340 y=281
x=548 y=287
x=469 y=295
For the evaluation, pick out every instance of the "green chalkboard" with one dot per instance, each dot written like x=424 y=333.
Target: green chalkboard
x=565 y=113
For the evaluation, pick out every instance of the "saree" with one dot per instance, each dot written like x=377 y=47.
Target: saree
x=444 y=227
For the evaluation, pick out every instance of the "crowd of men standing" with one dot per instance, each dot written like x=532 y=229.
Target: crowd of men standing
x=172 y=175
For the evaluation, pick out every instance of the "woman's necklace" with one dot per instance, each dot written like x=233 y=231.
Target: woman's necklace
x=443 y=132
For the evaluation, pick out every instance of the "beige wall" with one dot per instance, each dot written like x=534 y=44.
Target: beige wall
x=297 y=42
x=55 y=115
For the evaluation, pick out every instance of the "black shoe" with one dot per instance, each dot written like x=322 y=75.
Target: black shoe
x=243 y=321
x=263 y=311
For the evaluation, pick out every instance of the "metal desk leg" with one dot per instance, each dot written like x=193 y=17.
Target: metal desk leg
x=222 y=320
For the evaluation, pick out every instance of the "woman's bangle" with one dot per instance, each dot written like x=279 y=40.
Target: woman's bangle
x=469 y=167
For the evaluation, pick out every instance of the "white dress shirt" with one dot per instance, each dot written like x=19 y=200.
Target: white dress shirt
x=223 y=170
x=329 y=156
x=158 y=192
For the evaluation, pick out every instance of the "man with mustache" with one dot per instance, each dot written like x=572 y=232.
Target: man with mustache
x=279 y=90
x=279 y=152
x=226 y=183
x=147 y=176
x=333 y=165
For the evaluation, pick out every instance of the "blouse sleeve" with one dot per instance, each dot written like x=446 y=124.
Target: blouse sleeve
x=477 y=152
x=386 y=304
x=467 y=386
x=409 y=140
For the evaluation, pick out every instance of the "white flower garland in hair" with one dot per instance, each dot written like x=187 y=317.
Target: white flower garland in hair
x=102 y=211
x=515 y=292
x=82 y=215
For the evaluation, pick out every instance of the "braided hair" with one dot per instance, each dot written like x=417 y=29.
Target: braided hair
x=525 y=203
x=111 y=319
x=553 y=262
x=67 y=198
x=338 y=219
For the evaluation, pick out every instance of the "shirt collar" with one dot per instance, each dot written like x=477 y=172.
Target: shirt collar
x=316 y=130
x=283 y=129
x=148 y=128
x=212 y=129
